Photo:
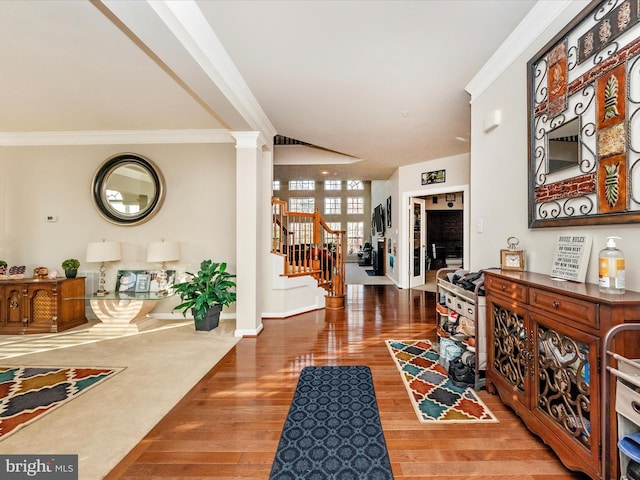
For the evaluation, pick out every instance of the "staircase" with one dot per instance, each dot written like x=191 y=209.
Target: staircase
x=310 y=247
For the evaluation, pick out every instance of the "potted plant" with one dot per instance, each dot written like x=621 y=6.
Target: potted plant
x=70 y=267
x=205 y=293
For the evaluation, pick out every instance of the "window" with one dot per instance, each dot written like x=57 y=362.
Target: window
x=355 y=205
x=332 y=185
x=117 y=201
x=332 y=206
x=355 y=185
x=334 y=225
x=355 y=236
x=276 y=185
x=306 y=205
x=302 y=185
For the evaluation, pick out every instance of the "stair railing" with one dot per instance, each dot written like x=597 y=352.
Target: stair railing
x=310 y=247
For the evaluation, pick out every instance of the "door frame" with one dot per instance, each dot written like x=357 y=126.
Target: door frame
x=404 y=253
x=414 y=281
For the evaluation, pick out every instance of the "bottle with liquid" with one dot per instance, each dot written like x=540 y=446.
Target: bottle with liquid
x=611 y=268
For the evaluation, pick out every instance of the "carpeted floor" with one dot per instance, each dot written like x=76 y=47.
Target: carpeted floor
x=102 y=425
x=333 y=429
x=26 y=393
x=433 y=396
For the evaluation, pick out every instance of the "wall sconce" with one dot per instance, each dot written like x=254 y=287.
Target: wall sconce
x=102 y=252
x=163 y=252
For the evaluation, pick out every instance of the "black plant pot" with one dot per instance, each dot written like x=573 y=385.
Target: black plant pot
x=70 y=273
x=210 y=320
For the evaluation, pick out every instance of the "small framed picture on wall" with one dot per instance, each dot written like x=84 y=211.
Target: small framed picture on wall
x=389 y=212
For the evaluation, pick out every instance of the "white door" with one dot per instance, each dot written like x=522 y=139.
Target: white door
x=417 y=248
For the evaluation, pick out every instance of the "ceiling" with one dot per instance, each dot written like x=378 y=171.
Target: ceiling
x=382 y=83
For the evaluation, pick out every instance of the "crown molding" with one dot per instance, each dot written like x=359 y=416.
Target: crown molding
x=543 y=13
x=115 y=137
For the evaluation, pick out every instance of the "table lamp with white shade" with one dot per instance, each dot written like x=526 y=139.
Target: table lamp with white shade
x=163 y=252
x=102 y=252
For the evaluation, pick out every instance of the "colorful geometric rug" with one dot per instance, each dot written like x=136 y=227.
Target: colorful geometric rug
x=333 y=429
x=433 y=396
x=26 y=393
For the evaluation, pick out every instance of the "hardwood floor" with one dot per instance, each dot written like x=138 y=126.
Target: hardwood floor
x=229 y=425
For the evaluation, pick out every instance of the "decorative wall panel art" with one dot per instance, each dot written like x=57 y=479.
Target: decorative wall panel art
x=584 y=126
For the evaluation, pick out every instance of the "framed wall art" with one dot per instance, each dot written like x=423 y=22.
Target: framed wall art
x=584 y=127
x=389 y=212
x=437 y=176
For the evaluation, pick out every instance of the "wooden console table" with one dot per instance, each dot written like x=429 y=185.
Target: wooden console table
x=544 y=342
x=33 y=305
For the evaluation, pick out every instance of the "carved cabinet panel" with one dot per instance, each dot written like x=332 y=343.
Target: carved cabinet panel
x=543 y=342
x=39 y=306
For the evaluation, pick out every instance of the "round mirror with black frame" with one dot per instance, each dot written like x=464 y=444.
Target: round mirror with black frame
x=128 y=189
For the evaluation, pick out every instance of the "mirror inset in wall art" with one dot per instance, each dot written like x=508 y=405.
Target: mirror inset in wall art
x=128 y=189
x=584 y=120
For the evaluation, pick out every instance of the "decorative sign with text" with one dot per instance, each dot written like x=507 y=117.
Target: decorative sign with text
x=572 y=257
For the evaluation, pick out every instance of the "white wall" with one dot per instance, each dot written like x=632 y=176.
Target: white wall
x=405 y=183
x=199 y=208
x=499 y=178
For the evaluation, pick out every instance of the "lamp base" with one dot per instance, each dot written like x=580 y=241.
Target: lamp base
x=100 y=293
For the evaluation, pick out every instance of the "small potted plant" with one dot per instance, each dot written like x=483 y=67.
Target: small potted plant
x=205 y=293
x=70 y=267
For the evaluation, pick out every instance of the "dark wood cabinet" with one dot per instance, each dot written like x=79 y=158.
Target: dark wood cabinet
x=544 y=341
x=33 y=305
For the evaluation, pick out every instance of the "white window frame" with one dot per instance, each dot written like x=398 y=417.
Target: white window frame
x=333 y=185
x=355 y=237
x=332 y=206
x=302 y=204
x=302 y=185
x=355 y=185
x=355 y=205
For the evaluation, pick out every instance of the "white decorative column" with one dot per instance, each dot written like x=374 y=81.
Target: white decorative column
x=248 y=232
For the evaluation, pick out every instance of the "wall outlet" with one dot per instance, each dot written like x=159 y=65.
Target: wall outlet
x=52 y=218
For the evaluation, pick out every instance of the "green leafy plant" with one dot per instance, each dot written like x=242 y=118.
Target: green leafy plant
x=70 y=264
x=212 y=285
x=3 y=263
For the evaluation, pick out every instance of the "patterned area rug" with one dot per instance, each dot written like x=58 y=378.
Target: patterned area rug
x=433 y=396
x=26 y=393
x=333 y=429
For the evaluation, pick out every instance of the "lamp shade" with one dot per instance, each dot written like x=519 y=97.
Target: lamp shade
x=103 y=252
x=163 y=251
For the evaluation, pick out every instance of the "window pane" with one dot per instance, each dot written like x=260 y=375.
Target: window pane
x=355 y=185
x=302 y=185
x=355 y=205
x=334 y=225
x=332 y=185
x=306 y=205
x=276 y=185
x=355 y=236
x=332 y=206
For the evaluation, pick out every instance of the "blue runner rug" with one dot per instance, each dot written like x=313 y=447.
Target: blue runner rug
x=333 y=430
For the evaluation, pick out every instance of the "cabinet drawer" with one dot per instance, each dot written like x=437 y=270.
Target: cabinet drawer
x=505 y=287
x=576 y=311
x=628 y=402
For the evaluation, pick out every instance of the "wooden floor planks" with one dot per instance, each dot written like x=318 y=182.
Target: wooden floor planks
x=228 y=426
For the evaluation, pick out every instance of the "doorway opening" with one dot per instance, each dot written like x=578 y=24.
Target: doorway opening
x=437 y=236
